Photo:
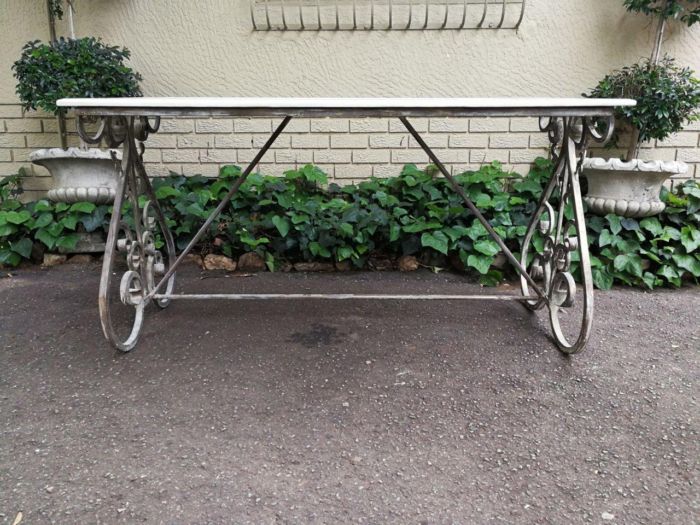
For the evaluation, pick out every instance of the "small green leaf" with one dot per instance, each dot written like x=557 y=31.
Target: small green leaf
x=690 y=238
x=282 y=224
x=602 y=279
x=163 y=192
x=652 y=225
x=481 y=263
x=68 y=242
x=83 y=207
x=45 y=237
x=435 y=240
x=671 y=275
x=18 y=217
x=43 y=220
x=615 y=223
x=487 y=247
x=344 y=252
x=70 y=221
x=606 y=238
x=630 y=263
x=689 y=263
x=23 y=247
x=9 y=258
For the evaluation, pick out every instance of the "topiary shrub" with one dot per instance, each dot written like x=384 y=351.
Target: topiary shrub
x=667 y=95
x=83 y=68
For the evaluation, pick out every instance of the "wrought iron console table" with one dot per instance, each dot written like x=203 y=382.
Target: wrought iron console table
x=546 y=281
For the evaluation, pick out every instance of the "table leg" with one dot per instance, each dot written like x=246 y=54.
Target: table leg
x=136 y=223
x=549 y=274
x=559 y=218
x=133 y=231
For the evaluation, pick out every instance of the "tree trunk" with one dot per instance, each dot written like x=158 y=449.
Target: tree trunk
x=656 y=53
x=60 y=116
x=633 y=150
x=52 y=22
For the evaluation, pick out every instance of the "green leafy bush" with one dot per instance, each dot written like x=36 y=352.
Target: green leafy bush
x=50 y=226
x=668 y=97
x=83 y=67
x=56 y=8
x=687 y=11
x=298 y=218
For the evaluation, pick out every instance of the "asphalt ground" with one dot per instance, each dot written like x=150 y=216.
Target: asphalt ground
x=345 y=412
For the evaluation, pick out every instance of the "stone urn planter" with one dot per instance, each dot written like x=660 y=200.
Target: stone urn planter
x=79 y=174
x=628 y=189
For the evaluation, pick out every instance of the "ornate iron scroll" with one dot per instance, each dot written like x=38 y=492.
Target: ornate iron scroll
x=560 y=220
x=133 y=227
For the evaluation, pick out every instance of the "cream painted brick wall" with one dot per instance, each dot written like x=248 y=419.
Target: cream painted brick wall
x=349 y=150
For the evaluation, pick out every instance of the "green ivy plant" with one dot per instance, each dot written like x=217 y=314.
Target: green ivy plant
x=298 y=217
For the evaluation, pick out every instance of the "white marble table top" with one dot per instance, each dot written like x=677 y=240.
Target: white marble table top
x=254 y=106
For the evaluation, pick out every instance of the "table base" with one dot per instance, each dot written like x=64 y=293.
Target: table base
x=546 y=277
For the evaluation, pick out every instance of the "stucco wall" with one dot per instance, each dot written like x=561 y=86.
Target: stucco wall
x=208 y=48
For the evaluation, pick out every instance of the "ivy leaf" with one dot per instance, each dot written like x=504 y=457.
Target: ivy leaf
x=689 y=263
x=45 y=237
x=43 y=220
x=68 y=242
x=282 y=224
x=629 y=224
x=487 y=247
x=70 y=221
x=317 y=249
x=455 y=232
x=83 y=207
x=394 y=232
x=615 y=223
x=9 y=257
x=670 y=234
x=630 y=263
x=344 y=252
x=671 y=275
x=602 y=279
x=436 y=240
x=7 y=229
x=483 y=201
x=17 y=217
x=652 y=225
x=491 y=278
x=23 y=247
x=606 y=238
x=42 y=205
x=163 y=192
x=476 y=231
x=690 y=238
x=481 y=263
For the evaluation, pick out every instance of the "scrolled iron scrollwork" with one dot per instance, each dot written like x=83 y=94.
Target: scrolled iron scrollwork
x=112 y=130
x=137 y=230
x=559 y=224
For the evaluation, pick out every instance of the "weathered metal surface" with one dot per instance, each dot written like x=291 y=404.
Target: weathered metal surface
x=345 y=297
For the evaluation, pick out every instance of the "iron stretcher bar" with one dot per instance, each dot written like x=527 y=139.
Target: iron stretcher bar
x=345 y=297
